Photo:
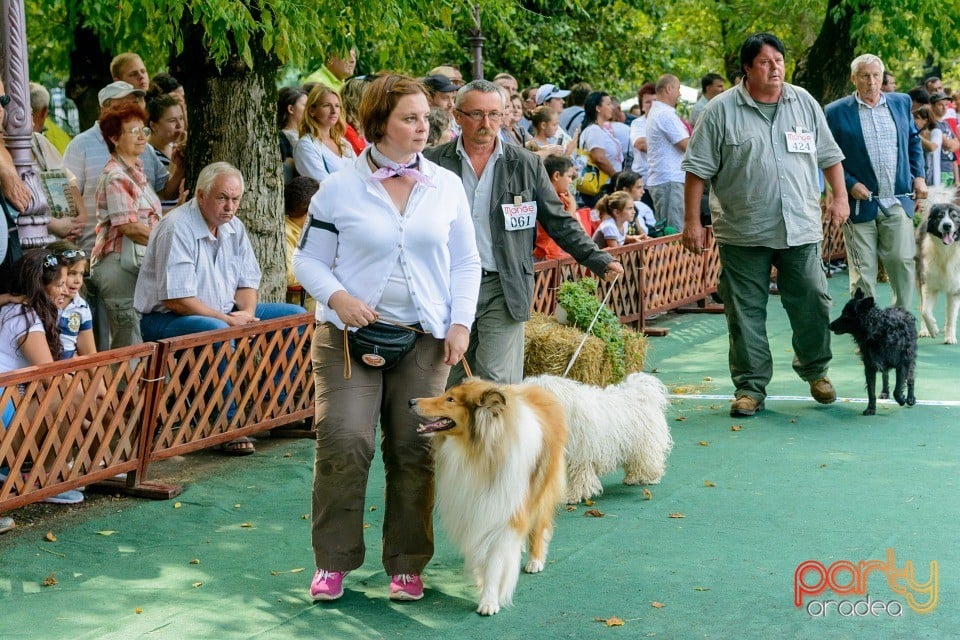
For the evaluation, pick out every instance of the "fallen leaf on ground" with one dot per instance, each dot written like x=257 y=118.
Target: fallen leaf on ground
x=50 y=537
x=736 y=427
x=701 y=588
x=373 y=507
x=657 y=605
x=571 y=507
x=305 y=516
x=246 y=525
x=647 y=495
x=50 y=580
x=236 y=506
x=106 y=533
x=681 y=418
x=707 y=483
x=138 y=610
x=177 y=505
x=588 y=502
x=195 y=561
x=366 y=525
x=612 y=621
x=594 y=513
x=676 y=514
x=793 y=421
x=288 y=455
x=297 y=570
x=197 y=584
x=703 y=443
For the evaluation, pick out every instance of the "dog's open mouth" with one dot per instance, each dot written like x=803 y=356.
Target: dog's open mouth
x=442 y=424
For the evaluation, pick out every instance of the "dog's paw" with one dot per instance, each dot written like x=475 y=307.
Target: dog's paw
x=924 y=333
x=911 y=400
x=900 y=398
x=883 y=395
x=631 y=481
x=488 y=608
x=870 y=411
x=950 y=340
x=534 y=566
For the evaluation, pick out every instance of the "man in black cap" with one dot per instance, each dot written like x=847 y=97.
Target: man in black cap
x=442 y=90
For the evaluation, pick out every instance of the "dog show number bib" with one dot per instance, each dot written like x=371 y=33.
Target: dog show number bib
x=800 y=141
x=519 y=215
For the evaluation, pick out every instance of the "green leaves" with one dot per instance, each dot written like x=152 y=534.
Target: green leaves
x=580 y=302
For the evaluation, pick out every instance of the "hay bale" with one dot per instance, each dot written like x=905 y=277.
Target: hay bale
x=549 y=345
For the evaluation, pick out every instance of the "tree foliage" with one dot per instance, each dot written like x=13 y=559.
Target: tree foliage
x=227 y=47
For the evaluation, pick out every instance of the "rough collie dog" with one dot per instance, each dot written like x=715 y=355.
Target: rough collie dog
x=623 y=425
x=499 y=477
x=938 y=270
x=888 y=340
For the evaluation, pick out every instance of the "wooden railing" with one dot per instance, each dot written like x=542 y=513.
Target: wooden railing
x=659 y=275
x=89 y=419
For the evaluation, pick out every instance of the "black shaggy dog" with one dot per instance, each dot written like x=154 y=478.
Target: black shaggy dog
x=888 y=340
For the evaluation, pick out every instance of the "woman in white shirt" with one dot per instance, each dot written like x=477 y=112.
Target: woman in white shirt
x=389 y=239
x=30 y=335
x=322 y=148
x=597 y=137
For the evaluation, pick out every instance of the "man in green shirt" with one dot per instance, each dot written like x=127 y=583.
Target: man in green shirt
x=334 y=71
x=761 y=146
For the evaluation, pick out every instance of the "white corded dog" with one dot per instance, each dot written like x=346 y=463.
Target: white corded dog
x=623 y=425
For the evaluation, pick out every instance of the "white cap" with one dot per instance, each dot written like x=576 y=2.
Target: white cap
x=118 y=89
x=550 y=91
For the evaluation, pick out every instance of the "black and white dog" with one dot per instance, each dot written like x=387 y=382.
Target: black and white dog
x=938 y=256
x=888 y=340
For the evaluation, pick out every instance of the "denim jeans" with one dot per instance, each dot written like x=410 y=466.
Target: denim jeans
x=157 y=326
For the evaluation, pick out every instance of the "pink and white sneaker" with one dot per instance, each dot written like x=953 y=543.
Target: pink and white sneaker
x=406 y=586
x=327 y=585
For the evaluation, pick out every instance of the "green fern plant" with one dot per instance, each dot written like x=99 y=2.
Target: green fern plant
x=579 y=300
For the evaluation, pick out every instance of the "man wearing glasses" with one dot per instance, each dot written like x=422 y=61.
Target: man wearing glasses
x=509 y=192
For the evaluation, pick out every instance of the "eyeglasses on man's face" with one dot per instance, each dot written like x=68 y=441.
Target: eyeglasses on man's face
x=477 y=116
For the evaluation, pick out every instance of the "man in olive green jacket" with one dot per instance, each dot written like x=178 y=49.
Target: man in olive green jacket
x=509 y=192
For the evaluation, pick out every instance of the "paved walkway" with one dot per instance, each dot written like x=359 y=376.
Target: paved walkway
x=230 y=558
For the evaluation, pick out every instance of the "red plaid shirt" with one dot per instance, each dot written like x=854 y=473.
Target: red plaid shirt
x=123 y=195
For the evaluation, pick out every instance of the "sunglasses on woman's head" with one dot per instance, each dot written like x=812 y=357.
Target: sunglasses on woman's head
x=50 y=261
x=70 y=254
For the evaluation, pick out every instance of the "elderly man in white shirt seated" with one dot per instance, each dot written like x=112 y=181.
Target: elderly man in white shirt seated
x=199 y=271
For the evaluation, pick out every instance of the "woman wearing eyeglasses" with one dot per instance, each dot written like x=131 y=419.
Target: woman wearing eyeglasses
x=127 y=210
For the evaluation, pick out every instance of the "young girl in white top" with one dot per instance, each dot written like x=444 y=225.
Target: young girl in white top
x=616 y=213
x=29 y=335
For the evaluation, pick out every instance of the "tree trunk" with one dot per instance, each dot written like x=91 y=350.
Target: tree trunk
x=824 y=69
x=89 y=72
x=232 y=116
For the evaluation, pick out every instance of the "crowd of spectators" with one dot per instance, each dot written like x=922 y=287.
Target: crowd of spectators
x=161 y=265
